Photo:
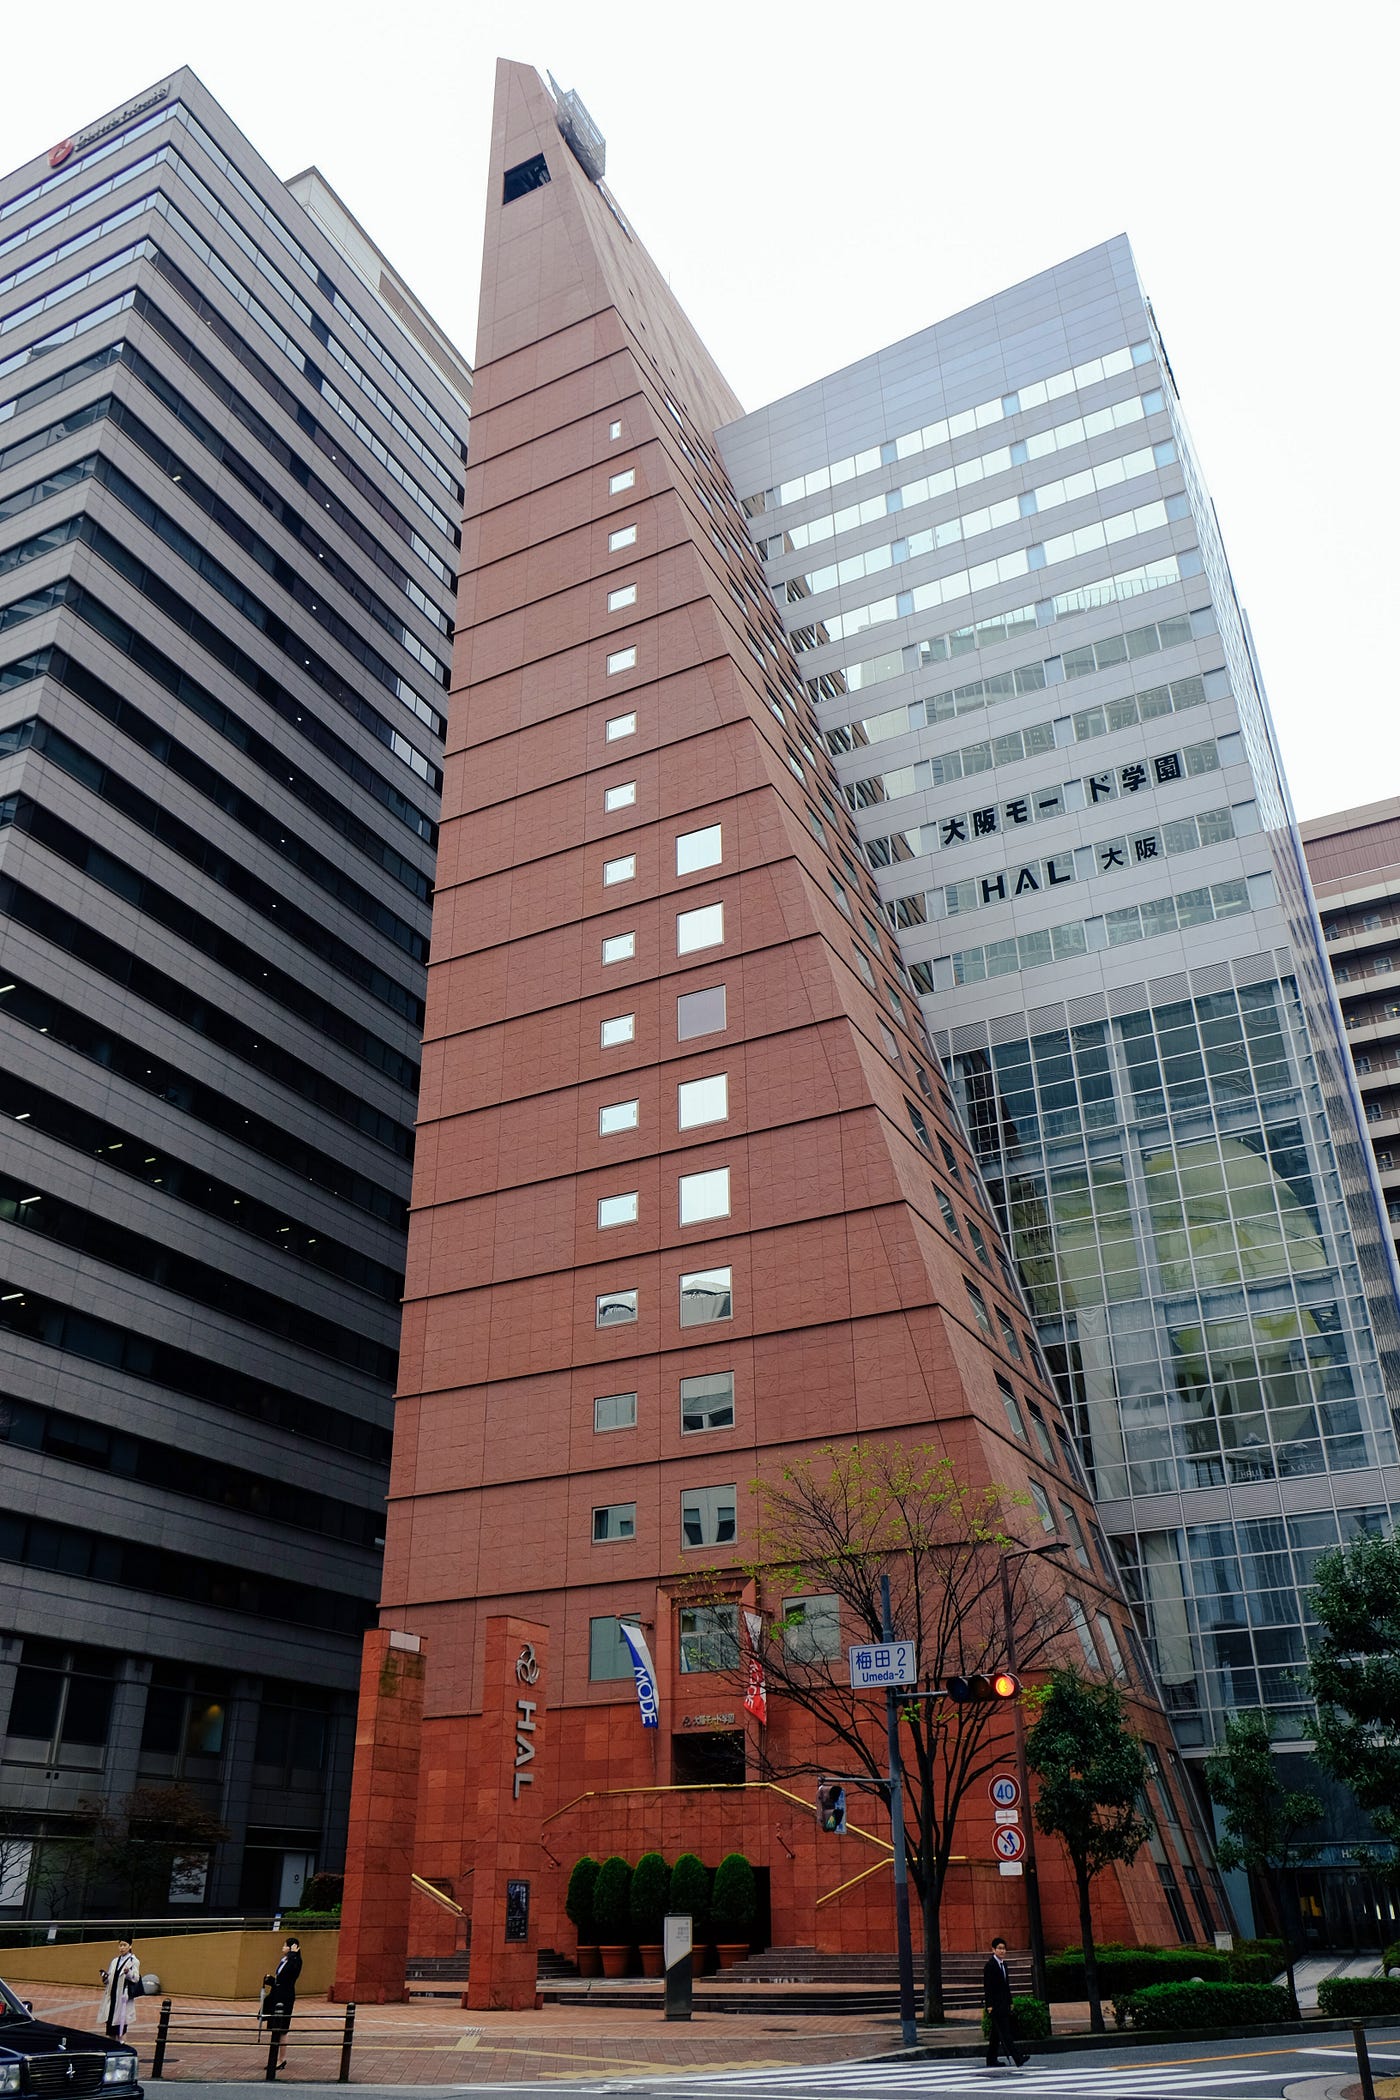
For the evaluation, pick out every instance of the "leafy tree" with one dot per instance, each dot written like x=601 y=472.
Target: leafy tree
x=690 y=1895
x=578 y=1899
x=735 y=1900
x=1262 y=1817
x=1354 y=1674
x=134 y=1850
x=1092 y=1779
x=651 y=1884
x=830 y=1527
x=612 y=1902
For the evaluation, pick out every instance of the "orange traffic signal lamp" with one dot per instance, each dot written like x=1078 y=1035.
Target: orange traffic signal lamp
x=981 y=1690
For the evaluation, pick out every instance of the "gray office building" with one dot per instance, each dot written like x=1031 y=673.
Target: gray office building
x=993 y=548
x=231 y=447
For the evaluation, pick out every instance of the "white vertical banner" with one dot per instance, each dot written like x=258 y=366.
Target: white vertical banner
x=643 y=1670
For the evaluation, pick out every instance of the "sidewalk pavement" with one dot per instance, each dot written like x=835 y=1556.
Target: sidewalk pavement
x=430 y=2044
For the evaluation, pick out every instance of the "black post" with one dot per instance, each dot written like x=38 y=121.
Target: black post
x=1363 y=2061
x=162 y=2037
x=347 y=2044
x=908 y=2027
x=1040 y=1987
x=274 y=2049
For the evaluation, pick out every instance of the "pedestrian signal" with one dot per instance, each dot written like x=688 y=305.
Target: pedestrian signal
x=831 y=1807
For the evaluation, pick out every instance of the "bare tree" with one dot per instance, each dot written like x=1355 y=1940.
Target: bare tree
x=832 y=1527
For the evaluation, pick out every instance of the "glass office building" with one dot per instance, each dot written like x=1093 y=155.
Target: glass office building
x=993 y=547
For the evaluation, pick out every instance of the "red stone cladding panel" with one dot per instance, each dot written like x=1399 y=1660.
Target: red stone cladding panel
x=510 y=1738
x=380 y=1842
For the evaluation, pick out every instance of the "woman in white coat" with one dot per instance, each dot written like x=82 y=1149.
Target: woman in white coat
x=121 y=1991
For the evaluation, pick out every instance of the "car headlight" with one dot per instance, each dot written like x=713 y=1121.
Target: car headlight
x=9 y=2077
x=120 y=2068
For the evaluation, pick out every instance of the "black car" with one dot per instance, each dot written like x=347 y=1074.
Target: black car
x=38 y=2057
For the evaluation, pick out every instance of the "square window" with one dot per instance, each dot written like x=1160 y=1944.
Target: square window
x=708 y=1402
x=609 y=1657
x=620 y=726
x=614 y=430
x=702 y=1101
x=699 y=849
x=811 y=1629
x=702 y=928
x=1111 y=1648
x=616 y=1308
x=618 y=1115
x=621 y=660
x=617 y=1210
x=979 y=1307
x=950 y=1216
x=618 y=1520
x=706 y=1295
x=618 y=482
x=619 y=947
x=709 y=1638
x=1013 y=1412
x=1042 y=1506
x=626 y=594
x=868 y=975
x=620 y=797
x=701 y=1013
x=1081 y=1626
x=704 y=1196
x=625 y=536
x=979 y=1244
x=620 y=1028
x=1008 y=1335
x=1074 y=1531
x=710 y=1516
x=615 y=1411
x=620 y=870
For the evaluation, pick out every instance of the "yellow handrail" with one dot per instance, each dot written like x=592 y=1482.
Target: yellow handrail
x=767 y=1786
x=426 y=1888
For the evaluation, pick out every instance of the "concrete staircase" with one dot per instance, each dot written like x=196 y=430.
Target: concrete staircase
x=962 y=1973
x=440 y=1976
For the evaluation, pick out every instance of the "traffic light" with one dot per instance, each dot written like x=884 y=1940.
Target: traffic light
x=831 y=1807
x=980 y=1690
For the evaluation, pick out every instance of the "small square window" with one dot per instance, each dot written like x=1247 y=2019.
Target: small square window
x=1042 y=1434
x=619 y=947
x=701 y=1013
x=706 y=1295
x=621 y=660
x=620 y=870
x=1013 y=1411
x=1109 y=1640
x=614 y=431
x=626 y=594
x=609 y=1656
x=811 y=1629
x=618 y=1520
x=979 y=1307
x=625 y=536
x=702 y=928
x=1081 y=1626
x=704 y=1196
x=1074 y=1531
x=618 y=1115
x=618 y=482
x=1008 y=1335
x=979 y=1244
x=709 y=1638
x=868 y=977
x=950 y=1216
x=615 y=1411
x=919 y=1126
x=616 y=1308
x=702 y=1101
x=707 y=1402
x=617 y=1210
x=710 y=1516
x=620 y=1028
x=620 y=797
x=699 y=849
x=1042 y=1506
x=843 y=902
x=620 y=726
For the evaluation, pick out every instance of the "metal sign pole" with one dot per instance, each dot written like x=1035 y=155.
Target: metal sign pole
x=907 y=2025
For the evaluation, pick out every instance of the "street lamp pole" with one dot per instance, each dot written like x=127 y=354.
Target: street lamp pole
x=1039 y=1981
x=903 y=1939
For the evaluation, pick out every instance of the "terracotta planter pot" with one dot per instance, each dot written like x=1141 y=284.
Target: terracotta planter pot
x=588 y=1962
x=698 y=1959
x=730 y=1951
x=614 y=1960
x=653 y=1960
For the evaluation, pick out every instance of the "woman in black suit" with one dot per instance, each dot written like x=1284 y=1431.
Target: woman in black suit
x=281 y=2000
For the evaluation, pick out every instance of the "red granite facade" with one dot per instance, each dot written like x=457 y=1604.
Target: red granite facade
x=648 y=885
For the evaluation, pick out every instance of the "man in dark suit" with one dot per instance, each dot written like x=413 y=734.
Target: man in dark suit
x=281 y=2000
x=996 y=1996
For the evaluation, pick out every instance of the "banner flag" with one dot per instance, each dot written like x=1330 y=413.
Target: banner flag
x=756 y=1695
x=643 y=1671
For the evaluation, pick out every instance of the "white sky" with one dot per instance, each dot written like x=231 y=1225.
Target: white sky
x=821 y=180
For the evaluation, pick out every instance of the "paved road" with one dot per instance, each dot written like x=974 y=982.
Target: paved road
x=1246 y=2070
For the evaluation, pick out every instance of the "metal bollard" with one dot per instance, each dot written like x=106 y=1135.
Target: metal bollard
x=347 y=2044
x=274 y=2050
x=1363 y=2061
x=162 y=2038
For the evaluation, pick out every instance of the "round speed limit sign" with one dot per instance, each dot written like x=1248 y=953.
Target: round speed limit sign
x=1004 y=1790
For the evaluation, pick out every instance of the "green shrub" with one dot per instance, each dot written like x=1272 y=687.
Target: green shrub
x=734 y=1904
x=1391 y=1958
x=1030 y=2020
x=327 y=1919
x=1123 y=1969
x=1163 y=2006
x=612 y=1903
x=323 y=1892
x=690 y=1895
x=578 y=1903
x=1359 y=1997
x=651 y=1885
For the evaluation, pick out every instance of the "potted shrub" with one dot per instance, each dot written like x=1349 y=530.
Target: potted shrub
x=578 y=1905
x=734 y=1908
x=690 y=1893
x=612 y=1914
x=651 y=1885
